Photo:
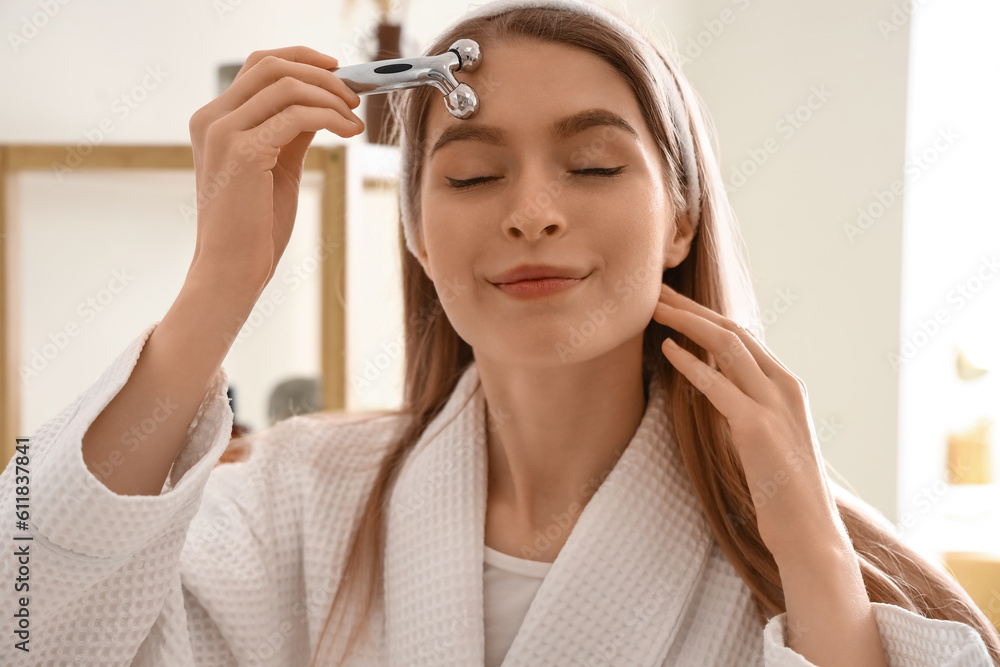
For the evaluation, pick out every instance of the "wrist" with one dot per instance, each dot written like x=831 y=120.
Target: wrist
x=801 y=524
x=821 y=554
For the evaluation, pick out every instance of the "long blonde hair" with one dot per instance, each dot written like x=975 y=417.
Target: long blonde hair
x=714 y=274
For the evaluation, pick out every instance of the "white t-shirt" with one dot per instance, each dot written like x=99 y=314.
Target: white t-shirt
x=509 y=586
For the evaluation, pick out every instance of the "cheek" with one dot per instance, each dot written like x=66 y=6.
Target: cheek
x=448 y=230
x=639 y=249
x=632 y=283
x=452 y=243
x=452 y=259
x=631 y=244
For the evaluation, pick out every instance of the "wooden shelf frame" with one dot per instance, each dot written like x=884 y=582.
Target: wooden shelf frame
x=16 y=158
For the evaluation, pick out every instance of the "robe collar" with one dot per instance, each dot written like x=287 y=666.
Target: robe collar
x=617 y=591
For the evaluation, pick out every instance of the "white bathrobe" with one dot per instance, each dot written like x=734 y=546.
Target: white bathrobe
x=237 y=564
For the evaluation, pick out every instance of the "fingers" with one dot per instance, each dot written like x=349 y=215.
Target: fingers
x=273 y=80
x=728 y=399
x=295 y=54
x=272 y=68
x=270 y=136
x=678 y=300
x=733 y=357
x=766 y=361
x=285 y=93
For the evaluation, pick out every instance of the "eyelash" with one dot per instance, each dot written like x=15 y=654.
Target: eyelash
x=609 y=172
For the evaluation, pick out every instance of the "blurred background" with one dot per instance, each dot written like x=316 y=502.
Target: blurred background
x=858 y=141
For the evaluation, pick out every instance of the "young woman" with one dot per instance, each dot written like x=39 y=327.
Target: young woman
x=563 y=486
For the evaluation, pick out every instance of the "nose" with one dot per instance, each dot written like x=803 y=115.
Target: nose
x=538 y=209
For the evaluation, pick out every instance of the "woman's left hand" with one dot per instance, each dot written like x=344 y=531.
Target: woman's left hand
x=767 y=408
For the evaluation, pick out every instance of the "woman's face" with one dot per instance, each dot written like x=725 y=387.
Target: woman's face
x=537 y=204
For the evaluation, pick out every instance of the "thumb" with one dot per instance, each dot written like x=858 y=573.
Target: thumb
x=293 y=156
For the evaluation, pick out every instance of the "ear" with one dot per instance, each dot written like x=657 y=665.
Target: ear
x=422 y=258
x=677 y=245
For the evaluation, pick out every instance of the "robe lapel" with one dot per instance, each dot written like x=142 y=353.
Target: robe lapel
x=619 y=588
x=615 y=594
x=435 y=534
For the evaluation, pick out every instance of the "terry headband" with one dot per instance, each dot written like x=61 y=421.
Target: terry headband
x=663 y=80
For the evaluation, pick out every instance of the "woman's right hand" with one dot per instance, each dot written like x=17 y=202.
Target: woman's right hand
x=249 y=149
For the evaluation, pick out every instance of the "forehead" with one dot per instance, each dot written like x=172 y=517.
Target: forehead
x=536 y=91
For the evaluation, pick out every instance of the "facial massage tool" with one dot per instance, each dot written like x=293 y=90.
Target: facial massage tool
x=382 y=76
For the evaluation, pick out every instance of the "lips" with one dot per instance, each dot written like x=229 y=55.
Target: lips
x=524 y=272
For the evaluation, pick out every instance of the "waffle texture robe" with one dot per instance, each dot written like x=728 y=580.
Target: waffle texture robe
x=237 y=564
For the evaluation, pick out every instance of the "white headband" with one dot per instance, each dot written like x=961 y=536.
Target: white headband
x=663 y=80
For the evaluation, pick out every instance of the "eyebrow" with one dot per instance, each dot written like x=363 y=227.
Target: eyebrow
x=563 y=128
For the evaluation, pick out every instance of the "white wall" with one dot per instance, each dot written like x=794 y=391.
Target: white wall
x=809 y=103
x=833 y=305
x=951 y=267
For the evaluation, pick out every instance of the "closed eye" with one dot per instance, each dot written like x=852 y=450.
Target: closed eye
x=595 y=171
